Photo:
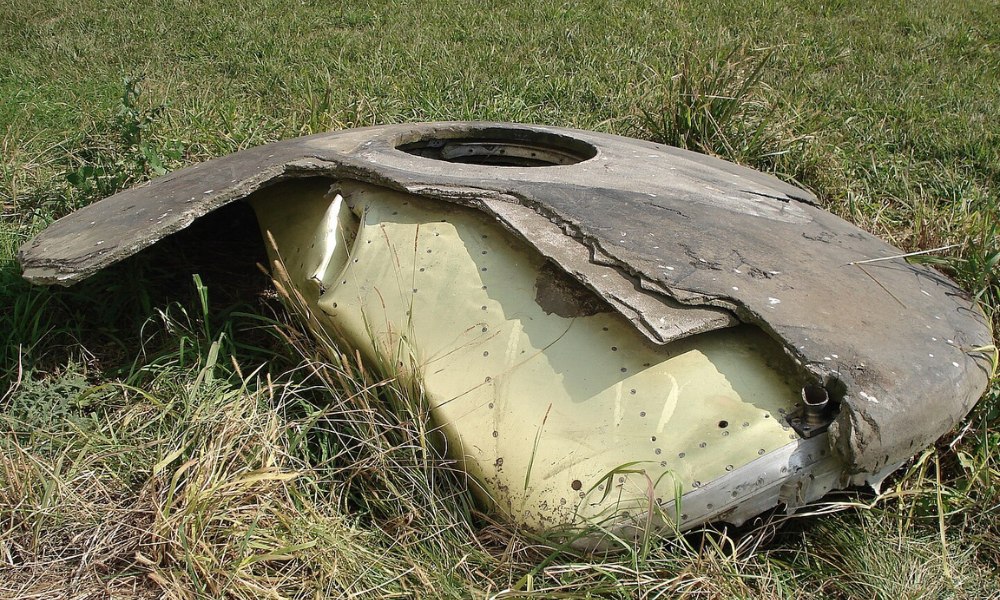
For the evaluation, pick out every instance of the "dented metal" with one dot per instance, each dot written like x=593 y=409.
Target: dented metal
x=603 y=326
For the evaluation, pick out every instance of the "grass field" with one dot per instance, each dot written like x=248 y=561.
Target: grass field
x=166 y=435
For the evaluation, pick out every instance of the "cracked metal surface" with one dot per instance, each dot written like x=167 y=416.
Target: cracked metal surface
x=893 y=342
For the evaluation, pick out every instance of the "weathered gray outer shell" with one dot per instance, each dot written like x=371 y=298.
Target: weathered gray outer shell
x=893 y=339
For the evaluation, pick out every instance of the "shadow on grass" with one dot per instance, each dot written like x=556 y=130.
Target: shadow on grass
x=102 y=321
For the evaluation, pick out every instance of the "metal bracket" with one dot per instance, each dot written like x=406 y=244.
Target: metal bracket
x=815 y=415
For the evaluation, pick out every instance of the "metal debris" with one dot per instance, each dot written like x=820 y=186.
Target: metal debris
x=604 y=325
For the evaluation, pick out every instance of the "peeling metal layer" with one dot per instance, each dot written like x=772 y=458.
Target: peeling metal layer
x=893 y=342
x=658 y=316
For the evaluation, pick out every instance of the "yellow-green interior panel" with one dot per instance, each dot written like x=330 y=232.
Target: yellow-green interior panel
x=560 y=409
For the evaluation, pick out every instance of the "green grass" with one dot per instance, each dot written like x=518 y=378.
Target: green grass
x=161 y=439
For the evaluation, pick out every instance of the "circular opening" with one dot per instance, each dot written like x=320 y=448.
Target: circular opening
x=498 y=147
x=815 y=396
